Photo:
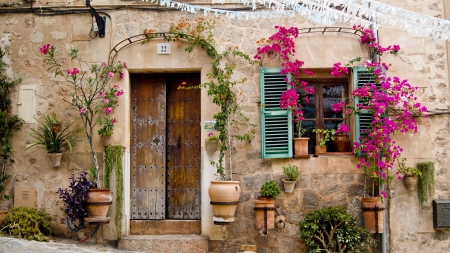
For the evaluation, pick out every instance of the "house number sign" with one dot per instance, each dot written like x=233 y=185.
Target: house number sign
x=163 y=48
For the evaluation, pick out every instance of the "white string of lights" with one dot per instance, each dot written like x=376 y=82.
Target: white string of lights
x=329 y=11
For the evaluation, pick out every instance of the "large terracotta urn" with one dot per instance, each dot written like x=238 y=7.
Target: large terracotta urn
x=97 y=205
x=224 y=197
x=373 y=214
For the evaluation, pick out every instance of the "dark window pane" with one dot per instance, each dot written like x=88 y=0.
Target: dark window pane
x=332 y=95
x=309 y=110
x=331 y=124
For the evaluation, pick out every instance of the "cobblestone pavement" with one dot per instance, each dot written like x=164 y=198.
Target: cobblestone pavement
x=56 y=245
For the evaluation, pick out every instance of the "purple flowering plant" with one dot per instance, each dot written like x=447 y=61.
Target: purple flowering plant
x=384 y=96
x=281 y=45
x=89 y=92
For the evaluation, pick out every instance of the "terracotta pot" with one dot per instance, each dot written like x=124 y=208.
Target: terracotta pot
x=97 y=205
x=3 y=214
x=320 y=149
x=410 y=182
x=106 y=140
x=211 y=145
x=373 y=219
x=54 y=159
x=259 y=214
x=301 y=146
x=289 y=186
x=224 y=197
x=341 y=142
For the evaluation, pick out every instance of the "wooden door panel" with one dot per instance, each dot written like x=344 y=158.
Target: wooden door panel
x=183 y=147
x=148 y=143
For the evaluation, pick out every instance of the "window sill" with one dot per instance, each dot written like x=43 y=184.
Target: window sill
x=333 y=154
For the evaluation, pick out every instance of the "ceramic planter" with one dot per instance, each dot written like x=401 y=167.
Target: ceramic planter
x=289 y=186
x=410 y=182
x=265 y=203
x=301 y=146
x=211 y=145
x=224 y=197
x=106 y=140
x=54 y=159
x=97 y=205
x=341 y=142
x=320 y=149
x=373 y=214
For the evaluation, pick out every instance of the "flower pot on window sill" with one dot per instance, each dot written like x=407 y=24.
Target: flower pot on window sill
x=320 y=149
x=341 y=142
x=301 y=147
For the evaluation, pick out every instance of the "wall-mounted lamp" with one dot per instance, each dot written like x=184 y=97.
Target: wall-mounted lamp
x=101 y=21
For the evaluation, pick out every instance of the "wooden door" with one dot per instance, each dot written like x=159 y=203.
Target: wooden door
x=165 y=146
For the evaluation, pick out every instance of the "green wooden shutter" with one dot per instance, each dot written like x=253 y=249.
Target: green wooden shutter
x=361 y=76
x=276 y=123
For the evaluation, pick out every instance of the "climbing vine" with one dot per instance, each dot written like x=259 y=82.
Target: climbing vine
x=8 y=123
x=221 y=84
x=114 y=162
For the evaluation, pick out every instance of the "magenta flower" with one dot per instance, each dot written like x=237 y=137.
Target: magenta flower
x=116 y=86
x=114 y=121
x=342 y=128
x=45 y=48
x=121 y=75
x=105 y=100
x=110 y=74
x=125 y=65
x=119 y=93
x=108 y=110
x=83 y=110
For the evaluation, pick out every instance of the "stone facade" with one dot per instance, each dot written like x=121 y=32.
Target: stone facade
x=324 y=181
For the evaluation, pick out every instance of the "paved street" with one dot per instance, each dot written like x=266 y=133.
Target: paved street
x=56 y=245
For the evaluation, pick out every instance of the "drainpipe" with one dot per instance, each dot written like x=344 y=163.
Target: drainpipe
x=382 y=187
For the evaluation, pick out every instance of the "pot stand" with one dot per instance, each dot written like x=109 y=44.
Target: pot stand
x=375 y=209
x=230 y=204
x=265 y=209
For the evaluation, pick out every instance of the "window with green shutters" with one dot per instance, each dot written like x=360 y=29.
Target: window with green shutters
x=276 y=123
x=361 y=76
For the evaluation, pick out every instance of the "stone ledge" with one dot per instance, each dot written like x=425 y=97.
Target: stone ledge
x=165 y=243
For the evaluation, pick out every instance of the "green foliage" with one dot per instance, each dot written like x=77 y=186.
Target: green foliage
x=8 y=123
x=28 y=223
x=50 y=139
x=426 y=181
x=333 y=229
x=270 y=189
x=405 y=170
x=114 y=162
x=291 y=172
x=221 y=85
x=324 y=135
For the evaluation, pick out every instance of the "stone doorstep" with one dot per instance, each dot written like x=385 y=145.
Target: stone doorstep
x=165 y=243
x=165 y=227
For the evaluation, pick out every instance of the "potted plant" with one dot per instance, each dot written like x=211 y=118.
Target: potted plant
x=265 y=205
x=211 y=143
x=322 y=137
x=74 y=198
x=106 y=130
x=333 y=229
x=52 y=140
x=410 y=174
x=291 y=174
x=342 y=140
x=9 y=124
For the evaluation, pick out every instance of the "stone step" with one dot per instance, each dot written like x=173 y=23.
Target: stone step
x=165 y=243
x=165 y=227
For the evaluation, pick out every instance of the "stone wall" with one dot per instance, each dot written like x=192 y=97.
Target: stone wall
x=324 y=181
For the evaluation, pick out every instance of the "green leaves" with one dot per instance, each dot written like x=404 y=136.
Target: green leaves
x=333 y=229
x=28 y=223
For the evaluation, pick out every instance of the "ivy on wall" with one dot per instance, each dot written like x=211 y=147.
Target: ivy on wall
x=113 y=162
